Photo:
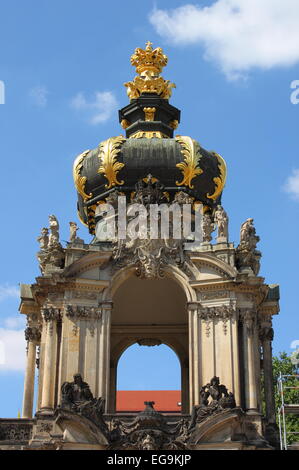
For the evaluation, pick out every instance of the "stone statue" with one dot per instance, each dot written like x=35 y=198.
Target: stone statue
x=204 y=395
x=221 y=221
x=207 y=228
x=75 y=393
x=248 y=235
x=54 y=231
x=248 y=258
x=220 y=400
x=216 y=390
x=43 y=239
x=73 y=231
x=148 y=443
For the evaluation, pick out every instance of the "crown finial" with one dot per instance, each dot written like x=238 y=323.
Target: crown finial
x=149 y=63
x=148 y=46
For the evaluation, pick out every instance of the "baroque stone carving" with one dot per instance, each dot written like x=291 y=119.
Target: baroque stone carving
x=77 y=397
x=246 y=254
x=214 y=398
x=85 y=295
x=266 y=333
x=207 y=228
x=149 y=342
x=221 y=221
x=214 y=295
x=51 y=255
x=84 y=313
x=73 y=231
x=32 y=333
x=15 y=432
x=220 y=312
x=149 y=255
x=51 y=313
x=43 y=239
x=148 y=431
x=248 y=317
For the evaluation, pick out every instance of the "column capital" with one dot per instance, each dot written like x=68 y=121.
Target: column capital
x=33 y=334
x=266 y=333
x=51 y=313
x=248 y=317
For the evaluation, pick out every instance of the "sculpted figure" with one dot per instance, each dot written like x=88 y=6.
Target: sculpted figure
x=248 y=237
x=148 y=443
x=216 y=390
x=54 y=231
x=75 y=393
x=73 y=231
x=221 y=221
x=207 y=228
x=43 y=239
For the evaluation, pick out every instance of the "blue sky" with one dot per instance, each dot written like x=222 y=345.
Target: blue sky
x=63 y=64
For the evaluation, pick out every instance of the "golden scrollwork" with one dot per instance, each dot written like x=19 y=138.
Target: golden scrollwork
x=79 y=180
x=191 y=153
x=109 y=149
x=149 y=135
x=219 y=180
x=149 y=114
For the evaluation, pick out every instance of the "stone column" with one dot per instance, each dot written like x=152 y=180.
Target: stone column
x=32 y=335
x=248 y=318
x=266 y=337
x=51 y=315
x=104 y=362
x=194 y=359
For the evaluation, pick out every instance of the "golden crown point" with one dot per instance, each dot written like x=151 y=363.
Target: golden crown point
x=149 y=59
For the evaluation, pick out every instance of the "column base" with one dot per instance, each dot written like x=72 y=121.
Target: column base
x=253 y=411
x=46 y=411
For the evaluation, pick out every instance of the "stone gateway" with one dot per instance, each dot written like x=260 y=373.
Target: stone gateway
x=93 y=300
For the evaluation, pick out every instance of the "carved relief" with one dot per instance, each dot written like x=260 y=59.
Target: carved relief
x=248 y=317
x=51 y=313
x=85 y=295
x=83 y=313
x=218 y=313
x=149 y=342
x=33 y=333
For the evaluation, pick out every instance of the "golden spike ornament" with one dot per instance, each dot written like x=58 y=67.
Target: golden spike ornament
x=189 y=167
x=109 y=149
x=219 y=180
x=79 y=180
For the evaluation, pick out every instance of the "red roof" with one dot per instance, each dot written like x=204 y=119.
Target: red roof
x=133 y=400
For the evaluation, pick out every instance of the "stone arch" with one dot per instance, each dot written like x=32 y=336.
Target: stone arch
x=169 y=325
x=171 y=272
x=180 y=353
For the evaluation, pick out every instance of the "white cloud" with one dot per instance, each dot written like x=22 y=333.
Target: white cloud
x=238 y=35
x=12 y=349
x=7 y=291
x=39 y=96
x=292 y=185
x=98 y=110
x=15 y=322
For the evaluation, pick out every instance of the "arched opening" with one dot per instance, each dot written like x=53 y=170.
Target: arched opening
x=148 y=373
x=149 y=312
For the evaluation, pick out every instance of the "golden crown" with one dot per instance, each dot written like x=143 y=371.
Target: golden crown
x=149 y=59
